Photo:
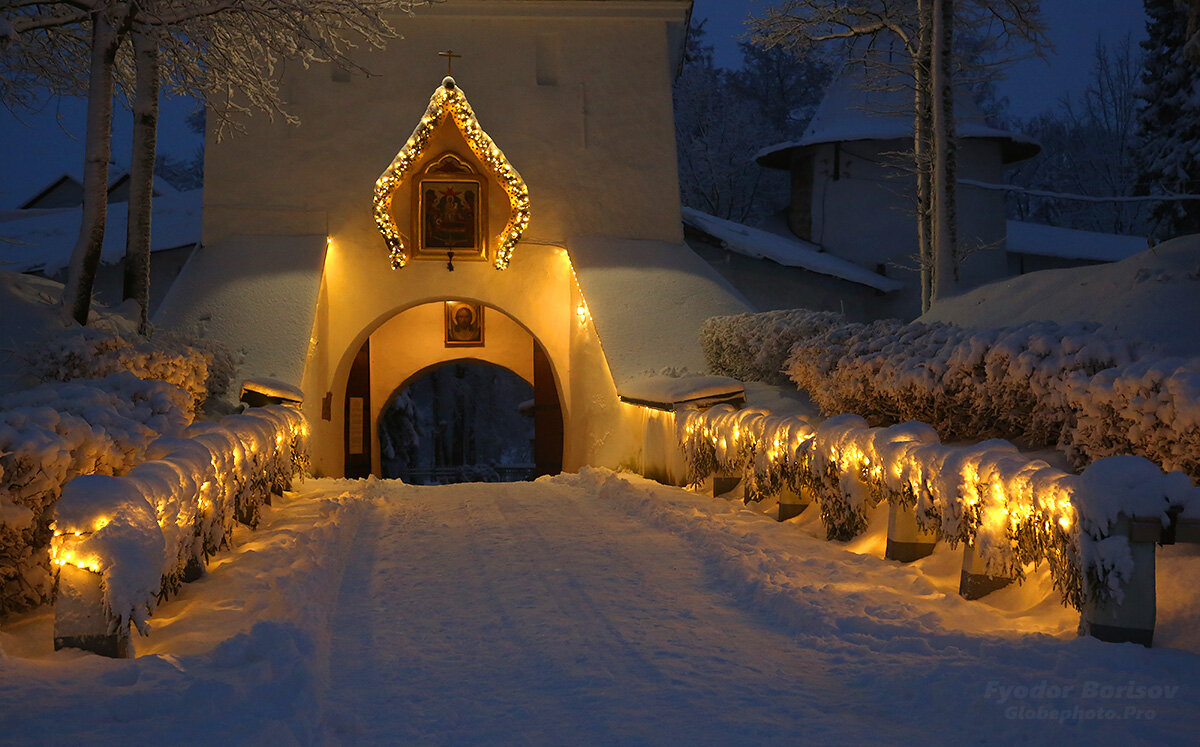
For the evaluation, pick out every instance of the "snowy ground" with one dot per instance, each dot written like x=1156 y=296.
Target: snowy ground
x=1150 y=297
x=595 y=608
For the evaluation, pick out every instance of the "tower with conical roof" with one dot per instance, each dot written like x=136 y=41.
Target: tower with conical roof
x=853 y=184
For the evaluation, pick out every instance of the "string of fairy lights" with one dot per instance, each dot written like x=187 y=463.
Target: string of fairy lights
x=253 y=453
x=1024 y=509
x=449 y=101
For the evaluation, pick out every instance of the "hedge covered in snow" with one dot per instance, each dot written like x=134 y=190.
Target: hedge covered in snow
x=1010 y=382
x=1012 y=509
x=145 y=531
x=54 y=433
x=1148 y=408
x=1071 y=386
x=89 y=353
x=755 y=347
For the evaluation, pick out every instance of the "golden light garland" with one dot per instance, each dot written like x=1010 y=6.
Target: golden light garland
x=449 y=100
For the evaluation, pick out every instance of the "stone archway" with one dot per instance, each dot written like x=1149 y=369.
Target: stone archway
x=409 y=343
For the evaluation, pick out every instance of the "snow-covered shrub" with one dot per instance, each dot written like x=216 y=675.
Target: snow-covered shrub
x=1150 y=409
x=145 y=530
x=1010 y=382
x=1014 y=510
x=89 y=353
x=55 y=432
x=754 y=347
x=222 y=364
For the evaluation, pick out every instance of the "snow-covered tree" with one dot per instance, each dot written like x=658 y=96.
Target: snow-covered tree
x=925 y=30
x=1088 y=148
x=784 y=87
x=1192 y=46
x=221 y=50
x=723 y=118
x=1169 y=126
x=228 y=55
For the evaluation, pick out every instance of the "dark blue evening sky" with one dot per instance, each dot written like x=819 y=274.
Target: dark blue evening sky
x=1033 y=84
x=40 y=146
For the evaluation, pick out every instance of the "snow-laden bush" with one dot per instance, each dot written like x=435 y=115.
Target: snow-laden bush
x=1071 y=386
x=1149 y=408
x=1014 y=510
x=55 y=432
x=222 y=362
x=144 y=531
x=89 y=353
x=968 y=384
x=754 y=347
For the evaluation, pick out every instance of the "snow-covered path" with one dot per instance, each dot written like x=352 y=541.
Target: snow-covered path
x=598 y=608
x=593 y=608
x=519 y=612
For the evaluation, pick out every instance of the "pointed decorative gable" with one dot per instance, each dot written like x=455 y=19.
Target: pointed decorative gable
x=436 y=196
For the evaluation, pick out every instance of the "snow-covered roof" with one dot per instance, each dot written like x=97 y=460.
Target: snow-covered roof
x=273 y=388
x=44 y=241
x=862 y=106
x=667 y=392
x=648 y=300
x=116 y=179
x=1052 y=241
x=1150 y=296
x=255 y=294
x=790 y=252
x=68 y=180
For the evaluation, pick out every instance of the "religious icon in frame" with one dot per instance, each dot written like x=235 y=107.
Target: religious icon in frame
x=464 y=324
x=450 y=211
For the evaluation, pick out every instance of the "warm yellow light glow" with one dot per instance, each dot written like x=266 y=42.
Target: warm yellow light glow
x=449 y=100
x=581 y=311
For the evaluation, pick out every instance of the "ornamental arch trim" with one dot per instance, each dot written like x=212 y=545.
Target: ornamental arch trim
x=450 y=103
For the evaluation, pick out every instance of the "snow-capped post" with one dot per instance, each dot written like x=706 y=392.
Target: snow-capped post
x=793 y=502
x=123 y=544
x=975 y=582
x=1126 y=505
x=906 y=541
x=725 y=482
x=1128 y=615
x=81 y=619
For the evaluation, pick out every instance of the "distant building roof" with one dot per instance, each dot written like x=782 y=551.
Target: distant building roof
x=856 y=107
x=1068 y=243
x=784 y=250
x=67 y=191
x=64 y=191
x=44 y=241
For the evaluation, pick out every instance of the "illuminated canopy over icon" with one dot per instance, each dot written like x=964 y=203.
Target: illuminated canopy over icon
x=448 y=101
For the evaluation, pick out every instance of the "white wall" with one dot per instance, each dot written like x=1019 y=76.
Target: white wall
x=867 y=214
x=596 y=147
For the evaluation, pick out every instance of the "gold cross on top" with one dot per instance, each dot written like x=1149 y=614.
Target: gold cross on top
x=450 y=57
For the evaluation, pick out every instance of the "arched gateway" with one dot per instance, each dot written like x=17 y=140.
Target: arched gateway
x=422 y=337
x=331 y=250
